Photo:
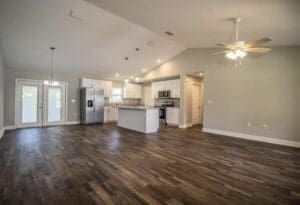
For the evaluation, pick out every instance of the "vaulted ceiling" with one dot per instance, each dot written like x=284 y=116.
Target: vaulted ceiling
x=91 y=40
x=99 y=34
x=203 y=23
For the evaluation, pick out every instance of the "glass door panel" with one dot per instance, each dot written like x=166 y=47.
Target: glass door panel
x=29 y=104
x=54 y=104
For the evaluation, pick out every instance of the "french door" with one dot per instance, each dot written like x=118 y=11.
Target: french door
x=40 y=105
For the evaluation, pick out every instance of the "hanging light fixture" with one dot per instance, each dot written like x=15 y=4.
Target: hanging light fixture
x=51 y=81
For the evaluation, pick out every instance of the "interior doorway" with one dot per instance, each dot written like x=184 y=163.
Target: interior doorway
x=196 y=104
x=40 y=105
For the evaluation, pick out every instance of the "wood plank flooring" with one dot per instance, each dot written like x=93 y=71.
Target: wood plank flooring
x=104 y=164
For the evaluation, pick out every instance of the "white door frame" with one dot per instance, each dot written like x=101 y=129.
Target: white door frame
x=18 y=123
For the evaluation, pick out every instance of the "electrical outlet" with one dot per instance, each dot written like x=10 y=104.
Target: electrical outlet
x=265 y=126
x=75 y=114
x=249 y=124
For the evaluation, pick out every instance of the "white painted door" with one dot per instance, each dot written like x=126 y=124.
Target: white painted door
x=54 y=105
x=29 y=103
x=196 y=104
x=39 y=105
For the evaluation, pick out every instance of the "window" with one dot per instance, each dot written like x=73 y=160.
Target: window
x=116 y=95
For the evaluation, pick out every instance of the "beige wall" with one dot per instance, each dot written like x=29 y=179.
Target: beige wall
x=264 y=90
x=1 y=93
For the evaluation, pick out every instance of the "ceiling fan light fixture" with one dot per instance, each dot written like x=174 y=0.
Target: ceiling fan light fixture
x=240 y=53
x=231 y=55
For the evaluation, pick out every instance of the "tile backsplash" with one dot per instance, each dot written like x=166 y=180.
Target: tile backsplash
x=126 y=101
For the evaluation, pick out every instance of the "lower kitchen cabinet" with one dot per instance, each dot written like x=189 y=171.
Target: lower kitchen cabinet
x=172 y=115
x=110 y=114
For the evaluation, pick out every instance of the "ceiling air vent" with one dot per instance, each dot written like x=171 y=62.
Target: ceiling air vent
x=169 y=33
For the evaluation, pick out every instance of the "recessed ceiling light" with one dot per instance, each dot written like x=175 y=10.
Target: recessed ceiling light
x=200 y=74
x=158 y=61
x=137 y=79
x=117 y=75
x=144 y=70
x=131 y=77
x=169 y=33
x=126 y=81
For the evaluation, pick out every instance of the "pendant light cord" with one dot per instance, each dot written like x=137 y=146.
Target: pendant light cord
x=52 y=63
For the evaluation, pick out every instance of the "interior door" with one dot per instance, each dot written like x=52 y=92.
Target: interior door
x=196 y=104
x=54 y=103
x=29 y=103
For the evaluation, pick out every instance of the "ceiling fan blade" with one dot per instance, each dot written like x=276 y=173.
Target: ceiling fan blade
x=228 y=46
x=220 y=52
x=257 y=50
x=257 y=42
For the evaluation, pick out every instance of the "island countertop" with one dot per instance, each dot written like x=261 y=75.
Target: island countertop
x=137 y=107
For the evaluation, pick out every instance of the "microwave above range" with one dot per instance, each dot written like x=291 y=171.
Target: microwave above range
x=164 y=94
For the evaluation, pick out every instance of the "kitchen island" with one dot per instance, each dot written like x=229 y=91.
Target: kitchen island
x=140 y=118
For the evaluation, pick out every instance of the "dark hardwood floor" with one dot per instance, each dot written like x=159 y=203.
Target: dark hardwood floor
x=104 y=164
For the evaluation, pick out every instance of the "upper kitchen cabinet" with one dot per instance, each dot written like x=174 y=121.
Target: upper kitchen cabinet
x=102 y=84
x=175 y=88
x=172 y=85
x=132 y=90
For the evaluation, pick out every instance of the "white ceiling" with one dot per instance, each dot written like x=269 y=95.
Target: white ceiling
x=203 y=23
x=96 y=44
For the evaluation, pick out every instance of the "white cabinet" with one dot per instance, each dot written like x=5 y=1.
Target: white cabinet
x=172 y=115
x=107 y=88
x=175 y=88
x=172 y=85
x=110 y=114
x=92 y=83
x=132 y=90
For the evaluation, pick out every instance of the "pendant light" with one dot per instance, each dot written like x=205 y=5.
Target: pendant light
x=51 y=82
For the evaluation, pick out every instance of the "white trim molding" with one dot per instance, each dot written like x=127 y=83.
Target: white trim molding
x=11 y=127
x=252 y=137
x=73 y=123
x=2 y=132
x=186 y=125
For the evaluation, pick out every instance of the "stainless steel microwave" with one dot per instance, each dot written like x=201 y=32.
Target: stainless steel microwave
x=164 y=94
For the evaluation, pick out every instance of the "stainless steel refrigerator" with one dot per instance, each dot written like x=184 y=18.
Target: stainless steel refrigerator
x=91 y=105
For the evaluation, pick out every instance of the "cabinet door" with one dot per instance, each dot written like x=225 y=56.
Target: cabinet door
x=107 y=88
x=106 y=114
x=172 y=116
x=175 y=93
x=169 y=115
x=154 y=90
x=85 y=83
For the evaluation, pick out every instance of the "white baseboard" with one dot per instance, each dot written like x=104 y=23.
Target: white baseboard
x=11 y=127
x=186 y=125
x=73 y=123
x=253 y=137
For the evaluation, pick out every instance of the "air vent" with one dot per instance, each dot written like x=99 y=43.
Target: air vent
x=169 y=33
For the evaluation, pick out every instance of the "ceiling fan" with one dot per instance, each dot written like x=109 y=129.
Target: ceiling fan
x=238 y=49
